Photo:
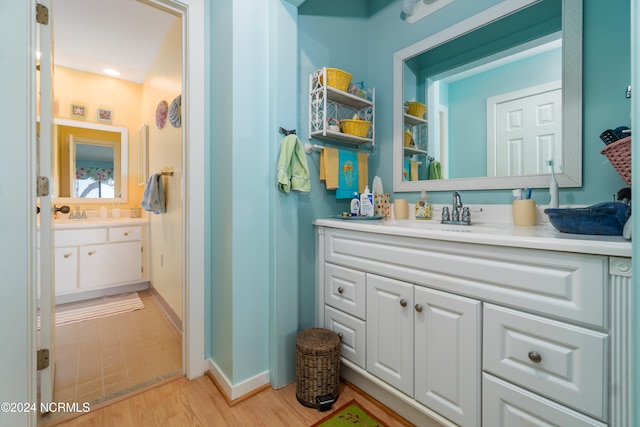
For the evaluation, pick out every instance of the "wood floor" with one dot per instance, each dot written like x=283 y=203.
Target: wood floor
x=184 y=403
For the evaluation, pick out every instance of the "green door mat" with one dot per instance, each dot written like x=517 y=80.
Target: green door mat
x=349 y=414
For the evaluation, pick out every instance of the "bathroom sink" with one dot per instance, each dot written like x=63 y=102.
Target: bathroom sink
x=77 y=221
x=437 y=225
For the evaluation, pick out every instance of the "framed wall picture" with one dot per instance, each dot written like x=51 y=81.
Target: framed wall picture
x=143 y=160
x=105 y=115
x=78 y=111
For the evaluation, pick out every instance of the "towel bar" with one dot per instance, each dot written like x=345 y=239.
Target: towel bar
x=308 y=147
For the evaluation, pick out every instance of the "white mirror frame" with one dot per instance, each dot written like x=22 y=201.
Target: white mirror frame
x=124 y=161
x=571 y=103
x=143 y=161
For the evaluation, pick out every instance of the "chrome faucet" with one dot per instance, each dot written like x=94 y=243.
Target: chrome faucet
x=459 y=214
x=456 y=206
x=78 y=214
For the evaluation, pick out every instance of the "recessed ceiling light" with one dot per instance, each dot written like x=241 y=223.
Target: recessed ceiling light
x=111 y=72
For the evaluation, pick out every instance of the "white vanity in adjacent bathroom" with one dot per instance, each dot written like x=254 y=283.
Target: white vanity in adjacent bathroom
x=96 y=257
x=485 y=325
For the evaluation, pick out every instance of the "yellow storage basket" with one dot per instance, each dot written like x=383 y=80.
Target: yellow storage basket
x=338 y=79
x=355 y=127
x=416 y=109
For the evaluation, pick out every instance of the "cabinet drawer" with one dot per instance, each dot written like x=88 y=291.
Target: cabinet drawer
x=351 y=332
x=345 y=289
x=505 y=405
x=561 y=361
x=124 y=234
x=81 y=236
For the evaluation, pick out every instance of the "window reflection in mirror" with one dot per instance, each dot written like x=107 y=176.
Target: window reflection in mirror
x=90 y=162
x=94 y=169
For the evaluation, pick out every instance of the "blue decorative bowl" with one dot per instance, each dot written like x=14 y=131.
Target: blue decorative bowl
x=603 y=218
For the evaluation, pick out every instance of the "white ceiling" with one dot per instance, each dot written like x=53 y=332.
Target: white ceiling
x=91 y=35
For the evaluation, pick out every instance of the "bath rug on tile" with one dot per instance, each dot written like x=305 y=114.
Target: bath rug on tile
x=96 y=308
x=349 y=414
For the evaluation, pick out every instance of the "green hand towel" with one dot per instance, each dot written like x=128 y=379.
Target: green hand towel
x=293 y=171
x=435 y=170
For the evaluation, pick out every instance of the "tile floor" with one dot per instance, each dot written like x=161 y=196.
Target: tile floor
x=99 y=359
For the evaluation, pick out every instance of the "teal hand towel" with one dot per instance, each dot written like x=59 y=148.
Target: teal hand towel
x=347 y=174
x=293 y=170
x=435 y=170
x=153 y=199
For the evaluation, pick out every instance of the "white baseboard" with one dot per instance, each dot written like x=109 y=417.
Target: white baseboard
x=174 y=320
x=236 y=391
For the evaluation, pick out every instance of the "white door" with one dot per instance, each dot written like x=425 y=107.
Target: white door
x=447 y=355
x=524 y=130
x=46 y=303
x=390 y=331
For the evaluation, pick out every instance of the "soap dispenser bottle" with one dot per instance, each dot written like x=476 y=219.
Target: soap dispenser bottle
x=355 y=204
x=423 y=207
x=366 y=202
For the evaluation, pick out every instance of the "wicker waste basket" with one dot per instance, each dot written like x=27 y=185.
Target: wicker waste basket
x=317 y=368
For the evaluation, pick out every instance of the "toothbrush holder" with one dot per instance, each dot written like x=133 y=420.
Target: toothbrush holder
x=524 y=212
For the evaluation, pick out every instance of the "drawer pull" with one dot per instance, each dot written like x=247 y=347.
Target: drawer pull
x=340 y=290
x=126 y=233
x=91 y=252
x=403 y=303
x=535 y=357
x=418 y=308
x=340 y=335
x=67 y=255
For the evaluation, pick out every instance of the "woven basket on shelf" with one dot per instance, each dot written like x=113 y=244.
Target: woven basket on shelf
x=416 y=109
x=619 y=154
x=355 y=127
x=317 y=366
x=338 y=79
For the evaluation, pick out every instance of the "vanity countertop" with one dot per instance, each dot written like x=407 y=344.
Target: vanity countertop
x=485 y=233
x=62 y=224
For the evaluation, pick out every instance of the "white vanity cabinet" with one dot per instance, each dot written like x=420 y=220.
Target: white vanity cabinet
x=90 y=259
x=470 y=334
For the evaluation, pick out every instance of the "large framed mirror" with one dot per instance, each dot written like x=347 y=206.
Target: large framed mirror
x=90 y=162
x=503 y=95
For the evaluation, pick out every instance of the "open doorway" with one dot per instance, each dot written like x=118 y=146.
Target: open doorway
x=89 y=353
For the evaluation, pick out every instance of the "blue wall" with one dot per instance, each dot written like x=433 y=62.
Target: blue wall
x=332 y=41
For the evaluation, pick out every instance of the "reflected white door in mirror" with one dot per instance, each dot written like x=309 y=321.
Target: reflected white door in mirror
x=503 y=95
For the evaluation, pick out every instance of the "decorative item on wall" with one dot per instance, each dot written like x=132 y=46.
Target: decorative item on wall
x=161 y=114
x=78 y=111
x=105 y=115
x=175 y=114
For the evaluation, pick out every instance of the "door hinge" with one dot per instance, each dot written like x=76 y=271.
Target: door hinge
x=42 y=186
x=42 y=14
x=43 y=359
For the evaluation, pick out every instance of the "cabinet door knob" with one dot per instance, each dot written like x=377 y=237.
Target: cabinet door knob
x=403 y=303
x=91 y=252
x=340 y=290
x=535 y=357
x=67 y=255
x=418 y=308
